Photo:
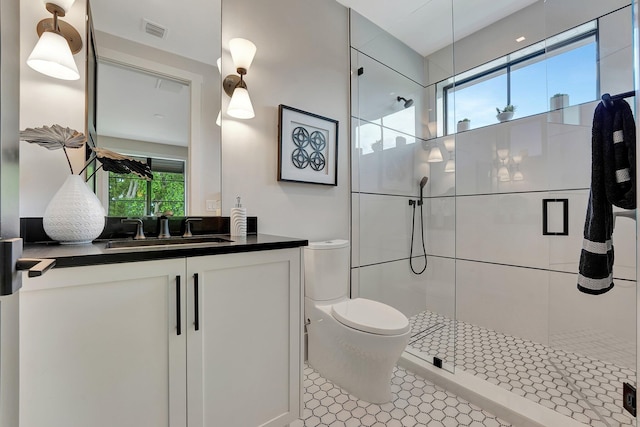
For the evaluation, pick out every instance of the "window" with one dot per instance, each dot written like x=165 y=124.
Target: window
x=130 y=195
x=528 y=78
x=394 y=129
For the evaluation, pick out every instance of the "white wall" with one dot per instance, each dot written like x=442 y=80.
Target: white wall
x=302 y=61
x=47 y=101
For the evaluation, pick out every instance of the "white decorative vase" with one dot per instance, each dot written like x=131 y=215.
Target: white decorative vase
x=463 y=125
x=505 y=116
x=557 y=102
x=74 y=215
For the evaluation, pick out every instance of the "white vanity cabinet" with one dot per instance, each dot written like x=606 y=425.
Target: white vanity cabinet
x=244 y=361
x=100 y=345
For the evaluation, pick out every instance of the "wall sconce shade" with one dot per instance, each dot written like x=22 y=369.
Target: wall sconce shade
x=65 y=5
x=240 y=105
x=242 y=53
x=51 y=56
x=503 y=174
x=503 y=153
x=435 y=155
x=450 y=166
x=449 y=144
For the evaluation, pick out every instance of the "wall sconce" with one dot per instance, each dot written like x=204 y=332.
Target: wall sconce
x=504 y=174
x=450 y=145
x=517 y=175
x=242 y=53
x=53 y=54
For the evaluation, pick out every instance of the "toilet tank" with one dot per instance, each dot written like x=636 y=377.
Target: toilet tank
x=326 y=270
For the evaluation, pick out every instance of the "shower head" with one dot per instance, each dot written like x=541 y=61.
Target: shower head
x=407 y=102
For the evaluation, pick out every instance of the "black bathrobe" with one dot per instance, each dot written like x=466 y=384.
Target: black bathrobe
x=613 y=182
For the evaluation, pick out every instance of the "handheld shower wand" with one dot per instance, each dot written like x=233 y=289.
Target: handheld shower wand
x=422 y=183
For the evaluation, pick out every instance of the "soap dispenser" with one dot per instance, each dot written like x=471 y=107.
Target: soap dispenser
x=238 y=220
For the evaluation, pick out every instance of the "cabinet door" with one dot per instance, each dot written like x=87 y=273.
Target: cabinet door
x=99 y=347
x=244 y=361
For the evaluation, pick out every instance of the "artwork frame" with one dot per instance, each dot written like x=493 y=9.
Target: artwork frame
x=307 y=147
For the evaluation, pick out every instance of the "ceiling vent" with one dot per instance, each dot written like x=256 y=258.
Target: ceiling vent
x=154 y=29
x=169 y=85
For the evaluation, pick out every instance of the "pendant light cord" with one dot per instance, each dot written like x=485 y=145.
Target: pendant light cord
x=413 y=229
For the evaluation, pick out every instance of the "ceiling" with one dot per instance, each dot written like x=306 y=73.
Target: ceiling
x=193 y=26
x=426 y=25
x=139 y=106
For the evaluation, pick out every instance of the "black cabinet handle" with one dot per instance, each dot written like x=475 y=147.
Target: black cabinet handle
x=196 y=322
x=178 y=314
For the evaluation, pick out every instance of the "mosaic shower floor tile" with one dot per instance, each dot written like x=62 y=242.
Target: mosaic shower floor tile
x=581 y=387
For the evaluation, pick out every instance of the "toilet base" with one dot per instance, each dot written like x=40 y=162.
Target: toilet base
x=367 y=383
x=359 y=362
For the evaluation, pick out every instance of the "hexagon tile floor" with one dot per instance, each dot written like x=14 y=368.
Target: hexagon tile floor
x=584 y=388
x=415 y=402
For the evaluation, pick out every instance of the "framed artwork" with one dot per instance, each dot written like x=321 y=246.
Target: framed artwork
x=307 y=147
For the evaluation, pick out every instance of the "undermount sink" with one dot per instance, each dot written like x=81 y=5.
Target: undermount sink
x=154 y=241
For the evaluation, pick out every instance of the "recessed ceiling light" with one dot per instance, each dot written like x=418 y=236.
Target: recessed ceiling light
x=521 y=39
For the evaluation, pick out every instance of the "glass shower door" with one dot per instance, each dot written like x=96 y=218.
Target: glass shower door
x=394 y=134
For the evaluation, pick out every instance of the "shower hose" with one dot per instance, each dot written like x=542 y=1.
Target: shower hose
x=413 y=229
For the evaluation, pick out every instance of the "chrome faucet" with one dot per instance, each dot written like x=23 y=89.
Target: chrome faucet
x=139 y=229
x=187 y=226
x=163 y=231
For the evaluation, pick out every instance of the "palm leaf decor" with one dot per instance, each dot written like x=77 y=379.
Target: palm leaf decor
x=114 y=162
x=54 y=137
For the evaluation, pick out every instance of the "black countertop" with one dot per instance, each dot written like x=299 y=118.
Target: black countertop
x=98 y=253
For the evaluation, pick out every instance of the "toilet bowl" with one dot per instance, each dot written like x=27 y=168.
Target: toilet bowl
x=354 y=343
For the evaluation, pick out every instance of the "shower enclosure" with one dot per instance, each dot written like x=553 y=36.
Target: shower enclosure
x=505 y=201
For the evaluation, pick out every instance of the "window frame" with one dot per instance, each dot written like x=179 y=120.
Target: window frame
x=149 y=183
x=509 y=64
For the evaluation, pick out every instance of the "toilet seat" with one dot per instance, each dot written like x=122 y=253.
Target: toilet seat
x=370 y=316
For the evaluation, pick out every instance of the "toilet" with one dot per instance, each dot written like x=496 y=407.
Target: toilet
x=355 y=343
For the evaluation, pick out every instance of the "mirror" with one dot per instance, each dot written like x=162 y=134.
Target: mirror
x=156 y=96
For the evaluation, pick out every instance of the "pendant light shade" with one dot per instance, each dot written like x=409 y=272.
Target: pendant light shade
x=242 y=53
x=240 y=105
x=52 y=56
